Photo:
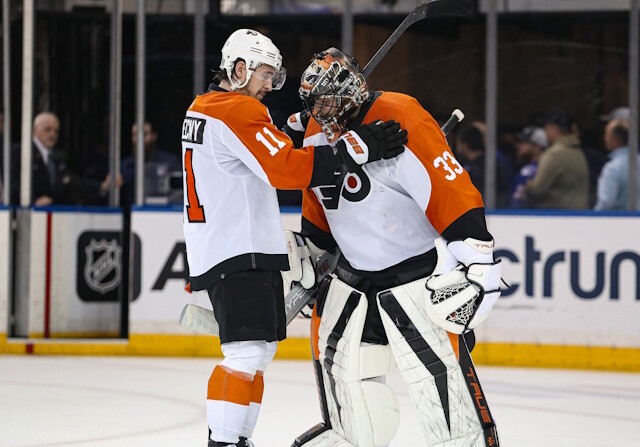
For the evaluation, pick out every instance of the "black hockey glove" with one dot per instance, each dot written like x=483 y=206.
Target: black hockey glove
x=371 y=142
x=296 y=127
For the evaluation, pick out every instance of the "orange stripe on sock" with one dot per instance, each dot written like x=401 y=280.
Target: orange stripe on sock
x=257 y=388
x=454 y=344
x=229 y=386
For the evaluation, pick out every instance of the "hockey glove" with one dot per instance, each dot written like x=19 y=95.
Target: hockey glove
x=464 y=286
x=371 y=142
x=296 y=127
x=300 y=267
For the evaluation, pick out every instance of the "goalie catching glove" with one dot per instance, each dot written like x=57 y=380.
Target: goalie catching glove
x=302 y=258
x=464 y=286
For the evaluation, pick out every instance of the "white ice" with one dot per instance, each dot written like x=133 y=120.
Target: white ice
x=157 y=402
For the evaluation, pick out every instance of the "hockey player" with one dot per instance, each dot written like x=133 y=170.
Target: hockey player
x=234 y=158
x=416 y=272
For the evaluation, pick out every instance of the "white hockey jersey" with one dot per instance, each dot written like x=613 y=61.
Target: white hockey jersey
x=233 y=159
x=393 y=210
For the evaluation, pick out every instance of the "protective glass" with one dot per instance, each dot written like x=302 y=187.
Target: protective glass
x=277 y=78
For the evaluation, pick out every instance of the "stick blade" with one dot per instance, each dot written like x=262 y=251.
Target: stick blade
x=199 y=319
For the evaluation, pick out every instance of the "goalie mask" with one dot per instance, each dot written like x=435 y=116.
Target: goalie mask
x=332 y=87
x=255 y=49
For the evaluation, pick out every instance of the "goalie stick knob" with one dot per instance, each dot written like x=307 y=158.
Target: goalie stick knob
x=458 y=114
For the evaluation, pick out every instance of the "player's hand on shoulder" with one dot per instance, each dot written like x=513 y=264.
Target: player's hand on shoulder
x=296 y=127
x=372 y=142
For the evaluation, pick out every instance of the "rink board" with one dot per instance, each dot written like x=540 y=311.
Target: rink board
x=574 y=299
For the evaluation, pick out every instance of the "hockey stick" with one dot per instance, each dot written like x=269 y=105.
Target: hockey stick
x=435 y=8
x=203 y=320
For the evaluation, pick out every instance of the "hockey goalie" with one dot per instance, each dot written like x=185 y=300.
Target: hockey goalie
x=416 y=273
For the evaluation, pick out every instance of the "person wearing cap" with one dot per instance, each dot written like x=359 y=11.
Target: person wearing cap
x=562 y=178
x=613 y=184
x=529 y=146
x=619 y=113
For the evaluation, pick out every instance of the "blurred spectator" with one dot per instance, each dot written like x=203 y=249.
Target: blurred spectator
x=562 y=178
x=470 y=150
x=619 y=113
x=613 y=184
x=52 y=182
x=158 y=168
x=470 y=153
x=529 y=146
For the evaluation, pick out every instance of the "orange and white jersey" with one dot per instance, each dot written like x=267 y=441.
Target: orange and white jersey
x=233 y=159
x=393 y=210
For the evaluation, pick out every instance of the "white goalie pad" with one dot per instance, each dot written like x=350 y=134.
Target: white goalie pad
x=327 y=438
x=361 y=409
x=427 y=357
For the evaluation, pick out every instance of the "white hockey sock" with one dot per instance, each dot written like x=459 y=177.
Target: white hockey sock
x=228 y=399
x=254 y=406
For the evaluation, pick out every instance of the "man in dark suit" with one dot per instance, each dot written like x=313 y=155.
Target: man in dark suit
x=52 y=182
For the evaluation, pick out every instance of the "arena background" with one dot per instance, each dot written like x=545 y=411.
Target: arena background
x=575 y=276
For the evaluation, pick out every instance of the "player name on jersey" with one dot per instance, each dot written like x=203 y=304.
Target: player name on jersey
x=193 y=129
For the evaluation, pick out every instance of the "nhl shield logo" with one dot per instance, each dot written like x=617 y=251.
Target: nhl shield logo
x=102 y=270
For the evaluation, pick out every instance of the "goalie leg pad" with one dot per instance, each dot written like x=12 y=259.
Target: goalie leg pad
x=450 y=405
x=321 y=436
x=364 y=412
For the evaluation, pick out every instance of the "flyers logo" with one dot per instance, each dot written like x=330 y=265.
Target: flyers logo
x=353 y=186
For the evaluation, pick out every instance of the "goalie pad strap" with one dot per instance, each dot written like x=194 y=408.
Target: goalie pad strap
x=321 y=436
x=429 y=365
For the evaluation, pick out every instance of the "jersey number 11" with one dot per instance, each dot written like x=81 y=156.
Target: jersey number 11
x=195 y=211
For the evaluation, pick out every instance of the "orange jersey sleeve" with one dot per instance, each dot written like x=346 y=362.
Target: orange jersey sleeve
x=452 y=194
x=248 y=119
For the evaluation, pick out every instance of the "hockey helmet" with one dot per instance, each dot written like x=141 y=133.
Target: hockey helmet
x=254 y=49
x=331 y=86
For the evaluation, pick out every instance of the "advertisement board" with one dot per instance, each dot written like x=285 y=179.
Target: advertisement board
x=574 y=279
x=164 y=273
x=75 y=272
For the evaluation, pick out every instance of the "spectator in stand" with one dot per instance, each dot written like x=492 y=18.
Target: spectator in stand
x=158 y=166
x=52 y=182
x=470 y=150
x=613 y=184
x=529 y=146
x=562 y=178
x=619 y=113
